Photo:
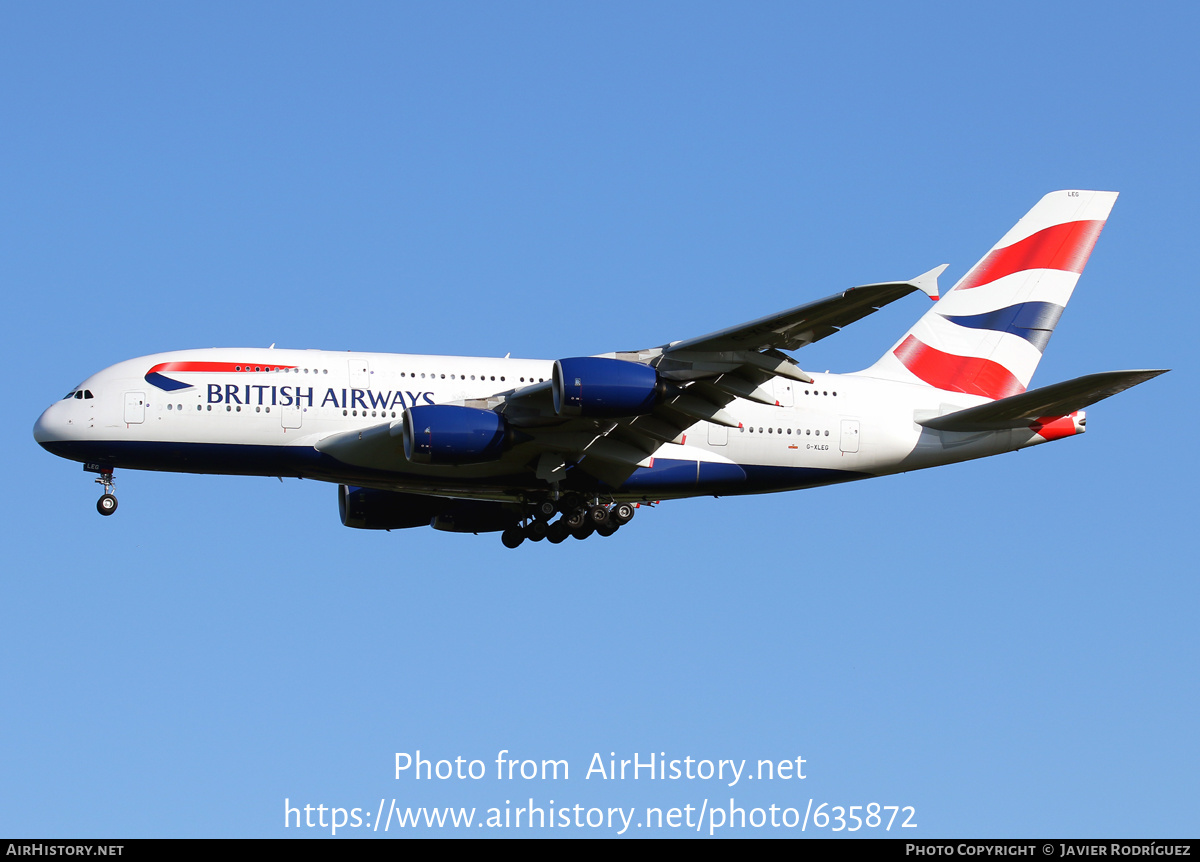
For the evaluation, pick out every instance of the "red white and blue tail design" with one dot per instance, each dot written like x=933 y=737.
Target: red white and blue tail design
x=986 y=335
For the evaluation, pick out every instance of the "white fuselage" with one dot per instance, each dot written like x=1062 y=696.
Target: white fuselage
x=265 y=412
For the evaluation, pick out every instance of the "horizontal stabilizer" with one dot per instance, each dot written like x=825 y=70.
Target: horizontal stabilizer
x=1059 y=399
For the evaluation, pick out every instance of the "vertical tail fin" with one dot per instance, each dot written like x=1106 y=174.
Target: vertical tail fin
x=986 y=335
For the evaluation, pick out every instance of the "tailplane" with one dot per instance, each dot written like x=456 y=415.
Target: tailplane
x=1041 y=406
x=987 y=334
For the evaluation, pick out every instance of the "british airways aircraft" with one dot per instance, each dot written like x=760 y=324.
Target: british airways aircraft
x=540 y=449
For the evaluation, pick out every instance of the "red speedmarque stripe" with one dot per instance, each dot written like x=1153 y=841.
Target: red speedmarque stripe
x=1054 y=427
x=209 y=366
x=954 y=373
x=1061 y=246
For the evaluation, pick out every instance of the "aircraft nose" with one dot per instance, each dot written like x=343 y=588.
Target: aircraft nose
x=46 y=429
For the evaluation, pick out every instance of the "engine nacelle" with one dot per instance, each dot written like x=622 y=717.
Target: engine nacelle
x=594 y=386
x=371 y=509
x=448 y=434
x=476 y=516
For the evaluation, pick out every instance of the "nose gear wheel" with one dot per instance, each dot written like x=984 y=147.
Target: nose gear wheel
x=107 y=504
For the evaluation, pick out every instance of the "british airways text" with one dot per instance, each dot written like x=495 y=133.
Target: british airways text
x=302 y=396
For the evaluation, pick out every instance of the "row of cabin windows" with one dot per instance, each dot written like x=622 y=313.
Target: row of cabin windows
x=800 y=432
x=464 y=377
x=414 y=375
x=237 y=408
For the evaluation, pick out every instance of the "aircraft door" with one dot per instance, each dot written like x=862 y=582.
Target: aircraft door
x=360 y=374
x=291 y=416
x=718 y=435
x=135 y=408
x=850 y=432
x=785 y=391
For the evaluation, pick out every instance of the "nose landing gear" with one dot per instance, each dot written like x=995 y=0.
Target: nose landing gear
x=107 y=504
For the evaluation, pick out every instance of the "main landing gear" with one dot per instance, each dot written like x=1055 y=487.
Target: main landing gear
x=107 y=504
x=578 y=518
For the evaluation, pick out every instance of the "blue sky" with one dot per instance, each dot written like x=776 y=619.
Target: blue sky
x=1008 y=645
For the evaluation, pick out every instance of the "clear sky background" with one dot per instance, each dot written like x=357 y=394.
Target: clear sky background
x=1008 y=645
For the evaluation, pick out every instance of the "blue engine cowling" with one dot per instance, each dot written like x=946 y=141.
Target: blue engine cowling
x=448 y=434
x=372 y=509
x=594 y=386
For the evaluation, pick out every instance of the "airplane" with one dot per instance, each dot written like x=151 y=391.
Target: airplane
x=540 y=449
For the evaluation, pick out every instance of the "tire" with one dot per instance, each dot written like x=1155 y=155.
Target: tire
x=558 y=531
x=576 y=520
x=597 y=515
x=512 y=537
x=536 y=531
x=606 y=530
x=622 y=513
x=546 y=509
x=106 y=505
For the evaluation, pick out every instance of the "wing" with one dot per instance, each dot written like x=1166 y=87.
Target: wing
x=708 y=372
x=697 y=378
x=804 y=324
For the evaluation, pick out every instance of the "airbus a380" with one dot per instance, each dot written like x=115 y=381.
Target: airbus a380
x=550 y=449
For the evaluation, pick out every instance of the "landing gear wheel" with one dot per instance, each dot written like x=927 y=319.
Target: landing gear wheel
x=536 y=530
x=512 y=537
x=622 y=513
x=558 y=531
x=576 y=519
x=607 y=529
x=597 y=515
x=546 y=509
x=107 y=504
x=583 y=531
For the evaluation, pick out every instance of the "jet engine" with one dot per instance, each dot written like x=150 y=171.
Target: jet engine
x=594 y=386
x=448 y=434
x=371 y=509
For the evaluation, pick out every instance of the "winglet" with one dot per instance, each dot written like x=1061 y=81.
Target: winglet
x=927 y=281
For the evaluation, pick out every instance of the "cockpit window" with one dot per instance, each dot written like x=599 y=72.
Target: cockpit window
x=79 y=393
x=87 y=393
x=72 y=394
